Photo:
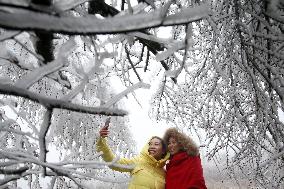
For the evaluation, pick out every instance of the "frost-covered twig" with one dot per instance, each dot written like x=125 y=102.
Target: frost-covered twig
x=272 y=158
x=28 y=134
x=17 y=171
x=38 y=56
x=125 y=92
x=132 y=65
x=76 y=90
x=268 y=80
x=42 y=134
x=9 y=179
x=278 y=55
x=8 y=35
x=64 y=5
x=37 y=74
x=58 y=170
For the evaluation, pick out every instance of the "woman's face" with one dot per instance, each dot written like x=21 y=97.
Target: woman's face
x=173 y=146
x=156 y=148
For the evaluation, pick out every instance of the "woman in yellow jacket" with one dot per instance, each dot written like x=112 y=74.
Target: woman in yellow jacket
x=148 y=167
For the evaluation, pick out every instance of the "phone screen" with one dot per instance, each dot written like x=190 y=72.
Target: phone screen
x=107 y=122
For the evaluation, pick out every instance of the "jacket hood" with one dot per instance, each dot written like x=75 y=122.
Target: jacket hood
x=150 y=159
x=187 y=144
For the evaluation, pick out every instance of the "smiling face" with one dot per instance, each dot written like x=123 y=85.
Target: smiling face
x=173 y=146
x=156 y=148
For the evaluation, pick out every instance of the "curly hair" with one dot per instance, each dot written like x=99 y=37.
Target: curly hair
x=185 y=142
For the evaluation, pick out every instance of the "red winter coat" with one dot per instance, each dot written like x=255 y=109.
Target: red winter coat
x=184 y=172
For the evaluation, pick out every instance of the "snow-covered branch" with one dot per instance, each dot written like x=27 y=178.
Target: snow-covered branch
x=91 y=25
x=42 y=134
x=8 y=35
x=37 y=74
x=55 y=103
x=125 y=92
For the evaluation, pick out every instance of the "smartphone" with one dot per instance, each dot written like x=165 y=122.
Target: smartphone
x=107 y=122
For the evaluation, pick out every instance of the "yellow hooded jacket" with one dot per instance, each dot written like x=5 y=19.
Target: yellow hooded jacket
x=148 y=173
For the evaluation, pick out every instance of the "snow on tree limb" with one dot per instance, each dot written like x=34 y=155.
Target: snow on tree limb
x=37 y=74
x=14 y=171
x=125 y=92
x=28 y=134
x=8 y=35
x=58 y=169
x=65 y=5
x=55 y=103
x=42 y=134
x=91 y=25
x=9 y=179
x=272 y=158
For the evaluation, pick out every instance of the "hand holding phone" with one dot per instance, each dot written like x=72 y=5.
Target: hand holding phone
x=104 y=131
x=107 y=122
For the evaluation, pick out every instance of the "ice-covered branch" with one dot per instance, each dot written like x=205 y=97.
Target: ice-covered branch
x=91 y=25
x=132 y=65
x=65 y=5
x=59 y=170
x=273 y=158
x=17 y=171
x=9 y=179
x=76 y=90
x=125 y=92
x=8 y=35
x=38 y=56
x=37 y=74
x=55 y=103
x=42 y=134
x=28 y=134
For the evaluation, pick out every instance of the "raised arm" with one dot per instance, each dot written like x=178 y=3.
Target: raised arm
x=108 y=155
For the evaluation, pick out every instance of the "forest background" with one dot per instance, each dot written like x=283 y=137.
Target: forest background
x=213 y=69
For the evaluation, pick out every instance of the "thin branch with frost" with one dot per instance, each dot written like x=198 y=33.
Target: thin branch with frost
x=76 y=90
x=9 y=35
x=32 y=21
x=38 y=56
x=60 y=104
x=188 y=36
x=170 y=50
x=64 y=5
x=27 y=5
x=58 y=170
x=125 y=92
x=84 y=81
x=131 y=63
x=269 y=160
x=266 y=77
x=22 y=115
x=278 y=55
x=9 y=163
x=274 y=10
x=37 y=74
x=28 y=134
x=17 y=171
x=42 y=134
x=9 y=179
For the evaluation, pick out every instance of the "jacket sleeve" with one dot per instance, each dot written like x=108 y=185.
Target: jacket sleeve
x=108 y=156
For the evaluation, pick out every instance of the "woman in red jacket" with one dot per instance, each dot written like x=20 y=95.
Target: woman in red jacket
x=184 y=171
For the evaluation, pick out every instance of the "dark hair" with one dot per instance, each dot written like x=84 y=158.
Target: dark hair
x=164 y=145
